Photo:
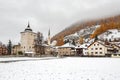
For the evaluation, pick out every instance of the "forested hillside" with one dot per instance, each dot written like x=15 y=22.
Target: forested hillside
x=106 y=23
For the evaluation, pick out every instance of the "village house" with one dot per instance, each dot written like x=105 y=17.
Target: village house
x=116 y=47
x=67 y=49
x=97 y=48
x=3 y=49
x=116 y=51
x=48 y=49
x=16 y=49
x=82 y=50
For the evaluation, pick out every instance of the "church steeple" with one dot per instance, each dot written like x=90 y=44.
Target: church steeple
x=49 y=32
x=28 y=27
x=49 y=39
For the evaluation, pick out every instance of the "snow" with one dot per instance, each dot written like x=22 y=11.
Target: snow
x=88 y=30
x=85 y=45
x=23 y=58
x=71 y=37
x=68 y=45
x=62 y=69
x=97 y=26
x=111 y=34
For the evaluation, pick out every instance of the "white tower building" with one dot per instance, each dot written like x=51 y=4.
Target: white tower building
x=27 y=40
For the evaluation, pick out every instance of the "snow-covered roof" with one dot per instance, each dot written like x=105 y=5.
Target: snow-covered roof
x=85 y=45
x=68 y=45
x=29 y=52
x=45 y=45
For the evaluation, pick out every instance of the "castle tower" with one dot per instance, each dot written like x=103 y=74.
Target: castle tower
x=27 y=40
x=49 y=39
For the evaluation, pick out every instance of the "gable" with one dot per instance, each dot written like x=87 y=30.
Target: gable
x=96 y=44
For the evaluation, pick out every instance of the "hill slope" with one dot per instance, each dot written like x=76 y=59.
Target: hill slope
x=106 y=23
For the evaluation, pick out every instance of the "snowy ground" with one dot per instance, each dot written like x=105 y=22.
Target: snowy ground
x=60 y=69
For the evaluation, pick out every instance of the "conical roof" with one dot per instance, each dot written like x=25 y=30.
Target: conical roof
x=28 y=28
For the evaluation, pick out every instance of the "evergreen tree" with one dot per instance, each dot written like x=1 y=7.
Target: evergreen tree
x=96 y=38
x=9 y=47
x=66 y=41
x=73 y=42
x=38 y=44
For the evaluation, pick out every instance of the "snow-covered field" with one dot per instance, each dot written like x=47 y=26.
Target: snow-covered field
x=60 y=69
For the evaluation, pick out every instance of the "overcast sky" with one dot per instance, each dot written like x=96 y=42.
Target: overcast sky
x=45 y=14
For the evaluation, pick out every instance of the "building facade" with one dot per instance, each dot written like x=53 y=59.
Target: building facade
x=16 y=49
x=97 y=49
x=27 y=40
x=3 y=50
x=66 y=50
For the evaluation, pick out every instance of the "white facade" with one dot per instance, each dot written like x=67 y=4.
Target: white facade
x=97 y=49
x=27 y=40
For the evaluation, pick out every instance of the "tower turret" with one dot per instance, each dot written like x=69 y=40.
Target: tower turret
x=28 y=27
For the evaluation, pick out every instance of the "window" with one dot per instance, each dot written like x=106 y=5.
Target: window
x=96 y=52
x=100 y=48
x=98 y=44
x=115 y=54
x=94 y=44
x=96 y=48
x=92 y=52
x=86 y=49
x=91 y=48
x=100 y=52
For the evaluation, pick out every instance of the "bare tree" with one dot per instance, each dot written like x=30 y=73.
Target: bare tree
x=39 y=48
